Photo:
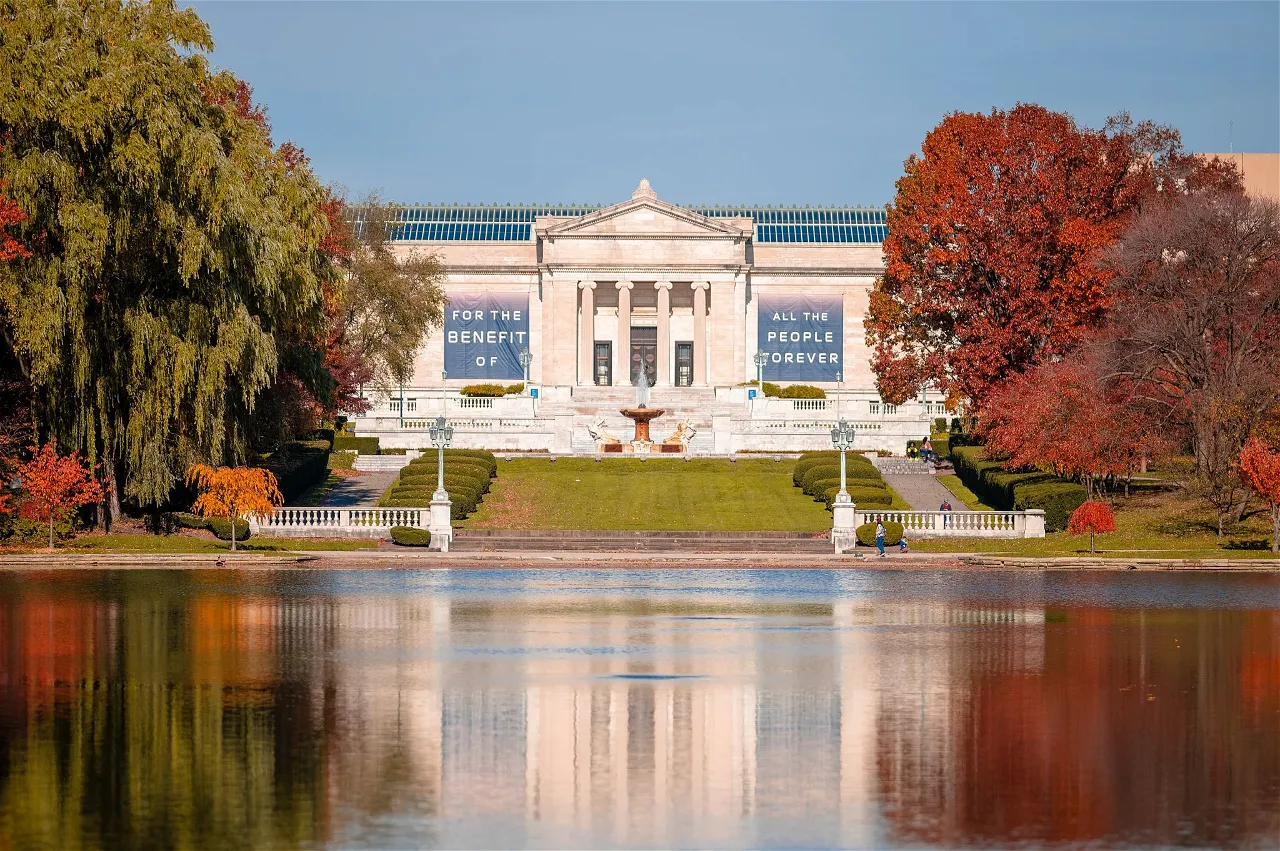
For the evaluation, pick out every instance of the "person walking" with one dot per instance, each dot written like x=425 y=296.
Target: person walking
x=880 y=531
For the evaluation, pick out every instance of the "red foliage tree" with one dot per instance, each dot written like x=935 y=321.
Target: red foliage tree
x=10 y=214
x=989 y=259
x=56 y=485
x=1259 y=466
x=1067 y=417
x=1093 y=517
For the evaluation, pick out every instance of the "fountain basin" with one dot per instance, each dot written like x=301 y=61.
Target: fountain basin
x=642 y=417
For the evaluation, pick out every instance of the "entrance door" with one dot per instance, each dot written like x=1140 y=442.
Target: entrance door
x=644 y=354
x=604 y=363
x=684 y=364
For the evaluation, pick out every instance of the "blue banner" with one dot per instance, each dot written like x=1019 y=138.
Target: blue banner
x=802 y=335
x=484 y=334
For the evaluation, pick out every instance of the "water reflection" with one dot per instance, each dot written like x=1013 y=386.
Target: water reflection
x=380 y=710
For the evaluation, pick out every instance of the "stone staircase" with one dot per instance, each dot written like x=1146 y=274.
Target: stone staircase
x=693 y=405
x=902 y=466
x=381 y=463
x=494 y=540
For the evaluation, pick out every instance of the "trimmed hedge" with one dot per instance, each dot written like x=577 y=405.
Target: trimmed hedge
x=492 y=391
x=855 y=465
x=867 y=534
x=350 y=443
x=802 y=391
x=407 y=536
x=850 y=482
x=1057 y=499
x=816 y=474
x=863 y=497
x=1008 y=491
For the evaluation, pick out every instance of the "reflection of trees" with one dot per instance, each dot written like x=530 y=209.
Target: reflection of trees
x=1140 y=727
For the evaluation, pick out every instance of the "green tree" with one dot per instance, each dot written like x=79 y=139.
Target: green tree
x=389 y=303
x=173 y=246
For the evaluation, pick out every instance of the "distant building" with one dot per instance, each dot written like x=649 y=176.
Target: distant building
x=1261 y=172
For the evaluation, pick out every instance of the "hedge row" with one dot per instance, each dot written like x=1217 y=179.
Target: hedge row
x=877 y=497
x=407 y=536
x=1010 y=491
x=219 y=526
x=492 y=390
x=867 y=534
x=856 y=465
x=467 y=475
x=350 y=443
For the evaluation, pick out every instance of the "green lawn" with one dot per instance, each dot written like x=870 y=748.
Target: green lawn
x=179 y=543
x=699 y=495
x=1158 y=525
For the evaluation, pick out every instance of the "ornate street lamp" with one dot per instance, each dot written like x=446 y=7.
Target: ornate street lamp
x=842 y=438
x=525 y=359
x=441 y=436
x=839 y=391
x=761 y=359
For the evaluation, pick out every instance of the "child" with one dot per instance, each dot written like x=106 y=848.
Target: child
x=902 y=544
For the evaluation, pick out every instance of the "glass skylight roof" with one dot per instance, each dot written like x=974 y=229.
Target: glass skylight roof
x=466 y=223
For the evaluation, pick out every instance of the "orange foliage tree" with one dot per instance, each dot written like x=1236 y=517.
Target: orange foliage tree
x=993 y=234
x=1067 y=417
x=1259 y=466
x=56 y=485
x=233 y=492
x=1093 y=517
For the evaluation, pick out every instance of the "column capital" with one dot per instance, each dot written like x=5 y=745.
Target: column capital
x=700 y=285
x=586 y=285
x=662 y=285
x=624 y=285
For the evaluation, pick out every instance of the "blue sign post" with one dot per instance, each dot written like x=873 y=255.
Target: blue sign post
x=801 y=335
x=484 y=334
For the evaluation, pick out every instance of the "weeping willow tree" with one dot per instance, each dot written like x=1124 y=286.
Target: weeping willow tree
x=172 y=246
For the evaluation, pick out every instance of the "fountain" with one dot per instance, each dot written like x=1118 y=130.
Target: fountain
x=641 y=414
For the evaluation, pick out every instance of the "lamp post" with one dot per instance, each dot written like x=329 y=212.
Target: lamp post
x=761 y=359
x=839 y=391
x=441 y=436
x=842 y=438
x=444 y=376
x=525 y=359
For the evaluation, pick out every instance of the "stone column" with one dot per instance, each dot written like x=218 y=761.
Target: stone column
x=587 y=334
x=664 y=333
x=700 y=333
x=622 y=377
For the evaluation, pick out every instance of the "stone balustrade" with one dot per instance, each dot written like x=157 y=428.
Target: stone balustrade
x=361 y=521
x=959 y=524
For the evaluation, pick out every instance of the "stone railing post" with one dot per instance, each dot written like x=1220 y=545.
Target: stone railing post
x=1033 y=523
x=844 y=529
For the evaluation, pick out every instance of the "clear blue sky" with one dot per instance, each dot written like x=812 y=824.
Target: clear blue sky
x=718 y=103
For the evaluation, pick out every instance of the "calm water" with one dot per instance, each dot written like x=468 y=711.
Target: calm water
x=588 y=709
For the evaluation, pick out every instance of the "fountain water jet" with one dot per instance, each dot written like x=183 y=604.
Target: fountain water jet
x=641 y=414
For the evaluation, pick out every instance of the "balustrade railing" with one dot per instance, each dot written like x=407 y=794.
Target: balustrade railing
x=356 y=521
x=959 y=524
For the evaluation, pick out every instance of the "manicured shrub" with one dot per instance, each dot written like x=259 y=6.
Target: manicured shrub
x=515 y=389
x=342 y=460
x=802 y=391
x=398 y=450
x=221 y=529
x=940 y=425
x=484 y=390
x=351 y=443
x=768 y=388
x=867 y=534
x=817 y=474
x=1057 y=499
x=850 y=482
x=864 y=497
x=407 y=536
x=855 y=465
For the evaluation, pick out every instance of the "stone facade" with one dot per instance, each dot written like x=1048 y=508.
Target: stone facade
x=648 y=285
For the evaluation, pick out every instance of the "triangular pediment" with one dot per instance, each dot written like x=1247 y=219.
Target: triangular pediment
x=644 y=217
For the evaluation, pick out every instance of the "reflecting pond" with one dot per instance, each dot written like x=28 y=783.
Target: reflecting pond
x=389 y=709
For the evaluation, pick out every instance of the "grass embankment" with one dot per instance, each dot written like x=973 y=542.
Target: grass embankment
x=658 y=495
x=962 y=493
x=1150 y=523
x=141 y=543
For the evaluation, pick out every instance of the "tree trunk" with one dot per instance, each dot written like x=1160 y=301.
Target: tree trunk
x=233 y=533
x=1091 y=550
x=1275 y=529
x=113 y=492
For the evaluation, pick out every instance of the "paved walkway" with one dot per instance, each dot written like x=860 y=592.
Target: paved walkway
x=923 y=493
x=363 y=489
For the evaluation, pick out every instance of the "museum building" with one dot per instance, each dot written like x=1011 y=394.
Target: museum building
x=579 y=301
